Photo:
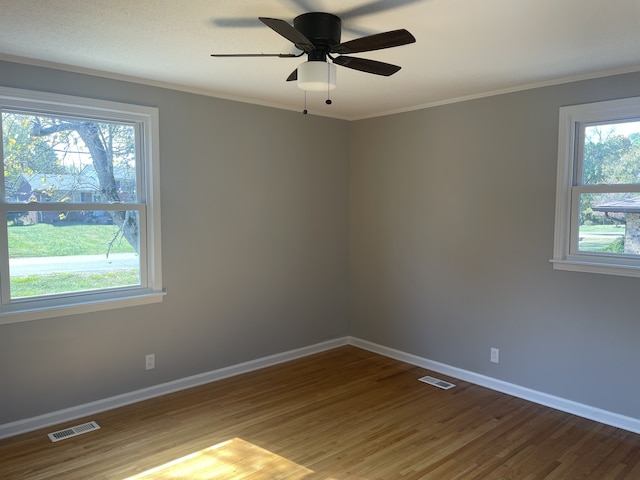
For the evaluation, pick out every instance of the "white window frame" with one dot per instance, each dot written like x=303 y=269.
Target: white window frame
x=573 y=119
x=146 y=121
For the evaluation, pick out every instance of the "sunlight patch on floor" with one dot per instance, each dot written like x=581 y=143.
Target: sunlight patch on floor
x=230 y=460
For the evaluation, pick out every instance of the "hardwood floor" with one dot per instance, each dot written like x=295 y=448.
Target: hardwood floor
x=341 y=414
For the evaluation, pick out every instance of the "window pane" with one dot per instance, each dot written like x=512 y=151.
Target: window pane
x=611 y=154
x=68 y=252
x=609 y=223
x=57 y=159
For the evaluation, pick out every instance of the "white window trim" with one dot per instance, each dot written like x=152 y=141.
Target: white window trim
x=571 y=117
x=84 y=303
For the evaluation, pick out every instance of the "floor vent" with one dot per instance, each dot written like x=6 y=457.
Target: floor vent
x=73 y=431
x=437 y=382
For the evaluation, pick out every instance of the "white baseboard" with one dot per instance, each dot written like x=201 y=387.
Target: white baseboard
x=68 y=414
x=592 y=413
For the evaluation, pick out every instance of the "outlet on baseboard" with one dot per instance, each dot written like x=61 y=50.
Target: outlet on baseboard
x=150 y=361
x=495 y=355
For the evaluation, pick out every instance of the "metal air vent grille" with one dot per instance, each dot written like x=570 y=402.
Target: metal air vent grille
x=73 y=431
x=437 y=382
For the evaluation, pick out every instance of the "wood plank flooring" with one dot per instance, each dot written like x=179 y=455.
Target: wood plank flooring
x=344 y=414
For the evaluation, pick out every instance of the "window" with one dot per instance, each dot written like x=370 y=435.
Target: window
x=598 y=192
x=80 y=203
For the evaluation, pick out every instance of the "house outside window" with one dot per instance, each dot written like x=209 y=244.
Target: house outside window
x=597 y=226
x=80 y=200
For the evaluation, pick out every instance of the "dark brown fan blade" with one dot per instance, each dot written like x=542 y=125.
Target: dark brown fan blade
x=289 y=32
x=394 y=38
x=244 y=22
x=293 y=77
x=281 y=55
x=366 y=65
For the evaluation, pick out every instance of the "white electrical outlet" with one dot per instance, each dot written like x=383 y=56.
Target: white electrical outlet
x=150 y=361
x=495 y=355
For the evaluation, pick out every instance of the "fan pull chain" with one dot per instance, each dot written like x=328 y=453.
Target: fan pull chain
x=328 y=101
x=305 y=111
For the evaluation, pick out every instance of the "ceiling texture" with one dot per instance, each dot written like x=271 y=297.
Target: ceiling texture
x=464 y=48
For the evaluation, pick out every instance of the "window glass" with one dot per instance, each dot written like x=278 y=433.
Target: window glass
x=53 y=252
x=56 y=159
x=603 y=221
x=611 y=154
x=52 y=159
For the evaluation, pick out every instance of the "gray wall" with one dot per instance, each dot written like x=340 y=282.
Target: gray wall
x=255 y=252
x=451 y=230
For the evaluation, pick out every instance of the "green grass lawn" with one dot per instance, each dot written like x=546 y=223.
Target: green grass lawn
x=600 y=238
x=34 y=286
x=593 y=244
x=67 y=239
x=45 y=240
x=602 y=229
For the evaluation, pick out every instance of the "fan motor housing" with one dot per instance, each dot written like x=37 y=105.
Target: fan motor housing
x=323 y=29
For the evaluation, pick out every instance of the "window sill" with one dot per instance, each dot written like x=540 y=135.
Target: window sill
x=596 y=267
x=23 y=312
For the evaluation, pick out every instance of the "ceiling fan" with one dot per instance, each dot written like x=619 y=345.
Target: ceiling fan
x=318 y=35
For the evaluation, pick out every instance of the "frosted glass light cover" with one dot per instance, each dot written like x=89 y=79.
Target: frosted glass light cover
x=317 y=76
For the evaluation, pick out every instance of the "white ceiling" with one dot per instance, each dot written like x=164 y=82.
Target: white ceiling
x=464 y=48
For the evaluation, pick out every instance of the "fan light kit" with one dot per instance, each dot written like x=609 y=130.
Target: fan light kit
x=316 y=76
x=318 y=35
